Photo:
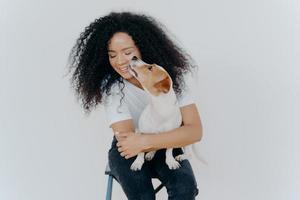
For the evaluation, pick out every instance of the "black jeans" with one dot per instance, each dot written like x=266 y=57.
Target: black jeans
x=137 y=185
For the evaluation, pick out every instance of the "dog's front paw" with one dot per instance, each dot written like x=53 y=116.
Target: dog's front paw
x=181 y=157
x=149 y=156
x=137 y=165
x=172 y=163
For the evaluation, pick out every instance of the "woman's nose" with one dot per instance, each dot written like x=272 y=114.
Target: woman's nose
x=121 y=60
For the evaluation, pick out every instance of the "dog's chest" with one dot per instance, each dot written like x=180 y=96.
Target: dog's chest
x=152 y=120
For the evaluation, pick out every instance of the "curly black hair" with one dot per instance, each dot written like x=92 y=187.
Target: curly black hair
x=93 y=75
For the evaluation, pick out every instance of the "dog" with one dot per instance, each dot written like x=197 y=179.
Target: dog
x=162 y=113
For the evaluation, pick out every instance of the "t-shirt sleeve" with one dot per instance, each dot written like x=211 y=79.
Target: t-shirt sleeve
x=186 y=96
x=114 y=109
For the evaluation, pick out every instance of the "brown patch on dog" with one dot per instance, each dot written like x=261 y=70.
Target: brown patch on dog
x=163 y=85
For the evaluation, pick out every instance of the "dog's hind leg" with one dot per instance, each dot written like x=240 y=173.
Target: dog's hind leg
x=138 y=162
x=186 y=154
x=181 y=157
x=171 y=162
x=149 y=156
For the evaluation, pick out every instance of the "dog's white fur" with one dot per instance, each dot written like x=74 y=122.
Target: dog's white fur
x=161 y=114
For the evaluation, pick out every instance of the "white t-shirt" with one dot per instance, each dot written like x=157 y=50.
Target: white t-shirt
x=133 y=103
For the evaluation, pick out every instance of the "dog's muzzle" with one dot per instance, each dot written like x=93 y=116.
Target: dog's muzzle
x=132 y=70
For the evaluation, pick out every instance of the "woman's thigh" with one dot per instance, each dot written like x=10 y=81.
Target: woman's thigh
x=180 y=183
x=136 y=184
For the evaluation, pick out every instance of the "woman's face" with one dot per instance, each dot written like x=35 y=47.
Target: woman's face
x=121 y=49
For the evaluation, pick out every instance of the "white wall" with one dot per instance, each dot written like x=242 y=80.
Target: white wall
x=247 y=95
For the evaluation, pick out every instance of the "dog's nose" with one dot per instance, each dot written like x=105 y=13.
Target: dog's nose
x=134 y=58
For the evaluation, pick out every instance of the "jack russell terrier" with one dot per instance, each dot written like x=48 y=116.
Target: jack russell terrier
x=162 y=113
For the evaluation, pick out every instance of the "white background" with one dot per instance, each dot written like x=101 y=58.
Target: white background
x=247 y=93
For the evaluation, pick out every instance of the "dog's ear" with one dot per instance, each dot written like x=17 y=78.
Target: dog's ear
x=163 y=85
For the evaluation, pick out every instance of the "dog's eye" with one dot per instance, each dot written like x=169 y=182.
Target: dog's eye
x=150 y=68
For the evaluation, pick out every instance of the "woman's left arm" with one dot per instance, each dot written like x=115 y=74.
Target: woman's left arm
x=190 y=132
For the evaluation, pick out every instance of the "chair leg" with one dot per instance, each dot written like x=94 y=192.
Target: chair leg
x=109 y=187
x=158 y=188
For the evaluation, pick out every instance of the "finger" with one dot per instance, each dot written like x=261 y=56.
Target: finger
x=121 y=134
x=120 y=138
x=127 y=156
x=120 y=149
x=122 y=154
x=125 y=134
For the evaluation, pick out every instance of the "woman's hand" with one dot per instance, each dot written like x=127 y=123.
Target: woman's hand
x=120 y=136
x=130 y=144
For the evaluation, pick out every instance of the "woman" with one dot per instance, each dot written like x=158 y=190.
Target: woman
x=100 y=60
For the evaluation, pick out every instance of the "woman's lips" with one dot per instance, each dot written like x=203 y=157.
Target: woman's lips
x=124 y=69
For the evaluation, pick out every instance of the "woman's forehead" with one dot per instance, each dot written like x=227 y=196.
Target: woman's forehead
x=120 y=41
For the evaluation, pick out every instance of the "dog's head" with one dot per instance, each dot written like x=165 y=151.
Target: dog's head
x=152 y=77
